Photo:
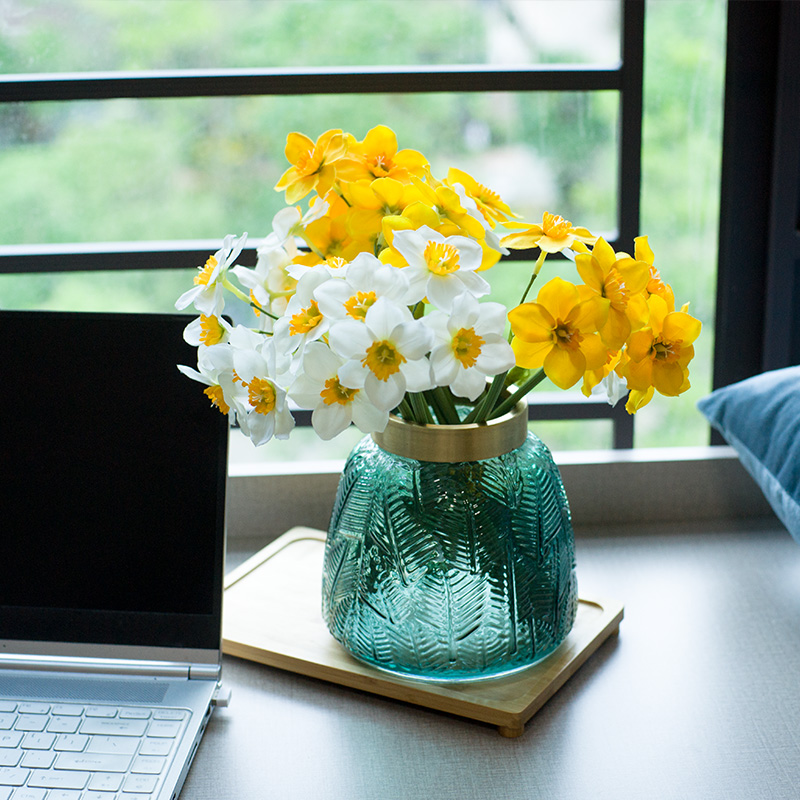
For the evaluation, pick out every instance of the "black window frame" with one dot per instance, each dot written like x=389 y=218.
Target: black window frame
x=625 y=77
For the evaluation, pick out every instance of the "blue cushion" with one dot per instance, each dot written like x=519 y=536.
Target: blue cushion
x=760 y=418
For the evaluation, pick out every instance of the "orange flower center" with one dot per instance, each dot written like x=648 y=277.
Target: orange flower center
x=566 y=337
x=615 y=291
x=305 y=320
x=308 y=164
x=334 y=392
x=261 y=394
x=204 y=276
x=211 y=332
x=441 y=258
x=666 y=351
x=555 y=227
x=358 y=305
x=466 y=346
x=383 y=359
x=215 y=395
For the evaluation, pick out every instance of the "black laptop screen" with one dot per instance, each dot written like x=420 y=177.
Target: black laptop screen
x=112 y=493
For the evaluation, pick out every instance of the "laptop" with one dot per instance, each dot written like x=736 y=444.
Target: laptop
x=112 y=498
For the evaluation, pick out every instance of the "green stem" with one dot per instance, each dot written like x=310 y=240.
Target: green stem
x=513 y=399
x=536 y=267
x=433 y=402
x=263 y=311
x=405 y=410
x=448 y=405
x=481 y=411
x=422 y=413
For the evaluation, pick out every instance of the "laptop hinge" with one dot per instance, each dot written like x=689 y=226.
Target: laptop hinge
x=156 y=669
x=204 y=672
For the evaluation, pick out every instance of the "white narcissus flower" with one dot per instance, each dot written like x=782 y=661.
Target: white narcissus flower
x=207 y=331
x=334 y=406
x=470 y=345
x=215 y=371
x=257 y=367
x=386 y=353
x=302 y=322
x=440 y=267
x=365 y=280
x=207 y=294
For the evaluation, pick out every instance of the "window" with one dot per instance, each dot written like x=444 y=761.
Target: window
x=136 y=134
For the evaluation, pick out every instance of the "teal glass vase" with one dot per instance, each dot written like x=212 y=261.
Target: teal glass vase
x=450 y=551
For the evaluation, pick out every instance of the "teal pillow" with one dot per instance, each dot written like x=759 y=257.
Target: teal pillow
x=760 y=418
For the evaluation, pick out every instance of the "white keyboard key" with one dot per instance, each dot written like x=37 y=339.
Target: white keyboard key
x=101 y=711
x=63 y=724
x=71 y=742
x=5 y=792
x=169 y=713
x=8 y=705
x=38 y=741
x=30 y=794
x=140 y=783
x=93 y=762
x=31 y=722
x=9 y=757
x=67 y=710
x=136 y=796
x=105 y=782
x=7 y=721
x=134 y=713
x=148 y=765
x=52 y=779
x=163 y=729
x=114 y=727
x=34 y=708
x=38 y=759
x=66 y=794
x=13 y=776
x=118 y=745
x=94 y=796
x=10 y=739
x=156 y=747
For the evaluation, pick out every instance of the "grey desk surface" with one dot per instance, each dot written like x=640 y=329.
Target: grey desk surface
x=698 y=697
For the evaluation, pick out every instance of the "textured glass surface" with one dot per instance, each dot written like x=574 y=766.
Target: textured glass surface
x=450 y=571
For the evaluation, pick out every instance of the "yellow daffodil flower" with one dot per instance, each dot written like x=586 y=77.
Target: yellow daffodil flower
x=660 y=353
x=313 y=164
x=557 y=332
x=617 y=282
x=377 y=156
x=552 y=236
x=489 y=203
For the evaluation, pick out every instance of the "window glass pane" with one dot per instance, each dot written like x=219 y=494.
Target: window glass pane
x=681 y=156
x=199 y=168
x=89 y=35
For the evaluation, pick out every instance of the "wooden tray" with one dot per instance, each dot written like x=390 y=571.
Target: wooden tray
x=272 y=616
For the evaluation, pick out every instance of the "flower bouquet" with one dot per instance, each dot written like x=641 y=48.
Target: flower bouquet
x=372 y=302
x=450 y=553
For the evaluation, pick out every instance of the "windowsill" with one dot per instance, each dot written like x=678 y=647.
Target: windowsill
x=608 y=489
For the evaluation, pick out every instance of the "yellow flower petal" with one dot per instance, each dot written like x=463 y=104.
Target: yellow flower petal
x=530 y=355
x=532 y=322
x=564 y=367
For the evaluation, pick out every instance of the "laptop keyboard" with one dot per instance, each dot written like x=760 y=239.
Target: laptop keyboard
x=68 y=751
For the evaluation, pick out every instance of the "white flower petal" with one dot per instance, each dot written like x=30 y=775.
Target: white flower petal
x=417 y=375
x=331 y=420
x=367 y=418
x=385 y=394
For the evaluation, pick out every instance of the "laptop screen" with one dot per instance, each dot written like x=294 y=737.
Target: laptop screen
x=113 y=483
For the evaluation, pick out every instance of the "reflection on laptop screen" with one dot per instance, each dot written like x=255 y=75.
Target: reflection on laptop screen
x=111 y=497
